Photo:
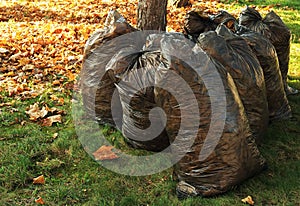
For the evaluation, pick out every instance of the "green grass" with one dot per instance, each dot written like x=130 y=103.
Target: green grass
x=278 y=3
x=73 y=178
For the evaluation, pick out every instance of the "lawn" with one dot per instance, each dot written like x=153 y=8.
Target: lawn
x=41 y=45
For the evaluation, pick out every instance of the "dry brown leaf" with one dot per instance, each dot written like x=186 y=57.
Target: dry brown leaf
x=56 y=82
x=55 y=135
x=105 y=153
x=26 y=67
x=5 y=104
x=53 y=97
x=54 y=110
x=15 y=56
x=57 y=31
x=61 y=101
x=248 y=200
x=39 y=180
x=50 y=120
x=34 y=112
x=40 y=201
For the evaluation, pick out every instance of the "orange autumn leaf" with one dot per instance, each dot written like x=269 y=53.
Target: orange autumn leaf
x=53 y=97
x=56 y=82
x=54 y=110
x=40 y=201
x=61 y=101
x=71 y=76
x=39 y=180
x=57 y=31
x=50 y=120
x=105 y=153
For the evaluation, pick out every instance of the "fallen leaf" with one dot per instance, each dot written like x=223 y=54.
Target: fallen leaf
x=248 y=200
x=57 y=31
x=105 y=153
x=28 y=67
x=54 y=110
x=50 y=120
x=39 y=200
x=34 y=112
x=39 y=180
x=71 y=58
x=9 y=74
x=3 y=50
x=56 y=82
x=53 y=97
x=15 y=56
x=55 y=135
x=5 y=104
x=50 y=163
x=61 y=101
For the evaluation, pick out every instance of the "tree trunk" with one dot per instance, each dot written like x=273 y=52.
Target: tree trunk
x=152 y=15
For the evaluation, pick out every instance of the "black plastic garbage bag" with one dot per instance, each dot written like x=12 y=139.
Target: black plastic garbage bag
x=96 y=87
x=199 y=22
x=239 y=60
x=220 y=152
x=273 y=28
x=266 y=54
x=181 y=3
x=263 y=49
x=134 y=76
x=223 y=17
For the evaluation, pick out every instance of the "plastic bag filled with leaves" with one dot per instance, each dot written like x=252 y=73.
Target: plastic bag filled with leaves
x=196 y=23
x=239 y=60
x=273 y=28
x=266 y=54
x=96 y=86
x=134 y=75
x=199 y=22
x=217 y=150
x=181 y=3
x=263 y=49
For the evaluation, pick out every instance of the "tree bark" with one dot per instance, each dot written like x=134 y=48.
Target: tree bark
x=152 y=15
